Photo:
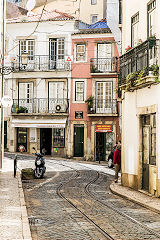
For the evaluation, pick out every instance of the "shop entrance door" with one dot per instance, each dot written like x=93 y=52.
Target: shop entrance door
x=100 y=146
x=22 y=138
x=78 y=141
x=46 y=140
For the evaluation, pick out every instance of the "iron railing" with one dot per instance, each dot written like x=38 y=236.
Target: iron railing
x=40 y=63
x=103 y=65
x=106 y=106
x=40 y=105
x=139 y=58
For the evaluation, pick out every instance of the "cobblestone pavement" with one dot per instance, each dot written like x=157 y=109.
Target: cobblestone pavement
x=51 y=217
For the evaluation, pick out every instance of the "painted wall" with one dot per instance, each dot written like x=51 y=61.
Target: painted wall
x=76 y=8
x=129 y=9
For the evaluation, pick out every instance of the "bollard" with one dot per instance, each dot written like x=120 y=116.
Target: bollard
x=15 y=165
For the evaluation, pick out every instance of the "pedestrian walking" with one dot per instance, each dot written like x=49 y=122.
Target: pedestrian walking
x=117 y=161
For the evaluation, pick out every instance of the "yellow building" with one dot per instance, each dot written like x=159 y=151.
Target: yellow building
x=96 y=9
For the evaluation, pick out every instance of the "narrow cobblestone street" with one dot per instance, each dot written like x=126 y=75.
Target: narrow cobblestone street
x=74 y=202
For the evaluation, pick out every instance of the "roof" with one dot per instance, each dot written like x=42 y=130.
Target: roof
x=46 y=16
x=98 y=27
x=12 y=10
x=100 y=24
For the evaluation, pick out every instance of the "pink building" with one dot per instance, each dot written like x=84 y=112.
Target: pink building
x=94 y=124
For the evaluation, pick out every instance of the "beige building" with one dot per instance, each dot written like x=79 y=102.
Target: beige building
x=139 y=75
x=96 y=9
x=39 y=84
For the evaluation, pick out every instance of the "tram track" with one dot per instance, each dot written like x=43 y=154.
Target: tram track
x=88 y=192
x=75 y=181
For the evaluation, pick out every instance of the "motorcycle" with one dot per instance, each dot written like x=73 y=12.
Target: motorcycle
x=40 y=165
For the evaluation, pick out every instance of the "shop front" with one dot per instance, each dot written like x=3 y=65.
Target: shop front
x=48 y=137
x=104 y=138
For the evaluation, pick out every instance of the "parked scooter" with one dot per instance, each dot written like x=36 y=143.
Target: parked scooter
x=39 y=164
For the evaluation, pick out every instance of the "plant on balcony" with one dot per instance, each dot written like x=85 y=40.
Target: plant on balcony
x=89 y=102
x=155 y=69
x=152 y=41
x=130 y=80
x=21 y=109
x=128 y=48
x=141 y=74
x=94 y=69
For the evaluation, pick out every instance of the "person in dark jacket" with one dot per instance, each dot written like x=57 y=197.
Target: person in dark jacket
x=117 y=161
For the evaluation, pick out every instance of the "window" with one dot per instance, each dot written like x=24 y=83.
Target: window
x=25 y=96
x=94 y=19
x=79 y=91
x=27 y=46
x=58 y=137
x=151 y=18
x=56 y=90
x=93 y=2
x=25 y=91
x=80 y=52
x=134 y=30
x=56 y=53
x=104 y=98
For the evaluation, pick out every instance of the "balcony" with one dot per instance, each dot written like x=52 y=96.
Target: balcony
x=103 y=107
x=138 y=66
x=40 y=63
x=103 y=65
x=40 y=106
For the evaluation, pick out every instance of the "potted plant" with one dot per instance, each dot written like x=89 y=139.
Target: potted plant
x=22 y=109
x=152 y=41
x=89 y=103
x=154 y=69
x=128 y=48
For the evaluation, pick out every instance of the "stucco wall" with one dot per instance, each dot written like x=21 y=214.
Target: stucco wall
x=143 y=101
x=129 y=9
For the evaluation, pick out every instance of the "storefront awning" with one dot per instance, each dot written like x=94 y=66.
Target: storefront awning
x=54 y=123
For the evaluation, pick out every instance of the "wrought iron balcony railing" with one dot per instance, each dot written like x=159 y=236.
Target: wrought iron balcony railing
x=140 y=58
x=40 y=63
x=40 y=105
x=104 y=106
x=103 y=65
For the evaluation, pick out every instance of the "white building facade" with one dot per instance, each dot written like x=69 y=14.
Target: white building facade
x=37 y=48
x=139 y=76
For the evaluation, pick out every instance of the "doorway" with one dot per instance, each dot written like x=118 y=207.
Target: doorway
x=5 y=135
x=100 y=146
x=148 y=147
x=45 y=140
x=78 y=140
x=22 y=138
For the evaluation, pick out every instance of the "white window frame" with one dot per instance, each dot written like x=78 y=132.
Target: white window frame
x=79 y=91
x=74 y=90
x=135 y=29
x=25 y=47
x=102 y=97
x=92 y=16
x=151 y=11
x=80 y=55
x=27 y=100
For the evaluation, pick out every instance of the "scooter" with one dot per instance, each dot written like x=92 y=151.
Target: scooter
x=39 y=164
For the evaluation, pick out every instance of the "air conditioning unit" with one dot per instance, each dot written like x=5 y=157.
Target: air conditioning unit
x=60 y=108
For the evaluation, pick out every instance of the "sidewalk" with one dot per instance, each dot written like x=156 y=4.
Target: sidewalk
x=14 y=223
x=140 y=197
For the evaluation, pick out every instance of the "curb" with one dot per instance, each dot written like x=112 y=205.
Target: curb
x=24 y=217
x=134 y=200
